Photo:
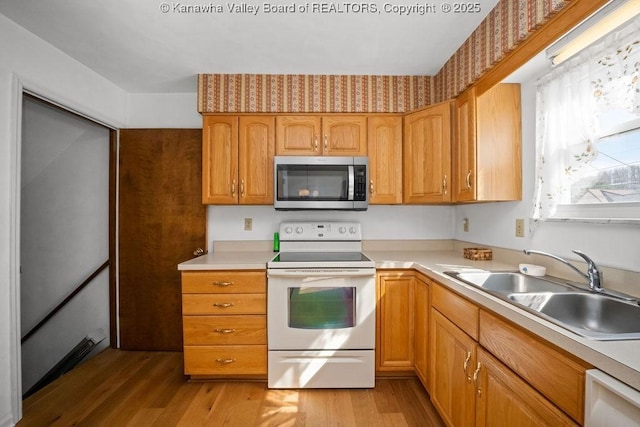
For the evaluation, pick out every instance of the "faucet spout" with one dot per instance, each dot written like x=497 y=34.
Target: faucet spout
x=593 y=275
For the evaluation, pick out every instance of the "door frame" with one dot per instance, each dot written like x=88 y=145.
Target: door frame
x=19 y=88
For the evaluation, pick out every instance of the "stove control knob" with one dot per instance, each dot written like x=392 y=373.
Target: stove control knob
x=299 y=230
x=352 y=230
x=288 y=230
x=342 y=230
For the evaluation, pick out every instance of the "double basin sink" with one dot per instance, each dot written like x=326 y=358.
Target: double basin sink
x=592 y=315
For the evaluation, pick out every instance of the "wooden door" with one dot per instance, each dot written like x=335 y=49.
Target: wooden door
x=344 y=135
x=464 y=160
x=427 y=155
x=298 y=136
x=395 y=332
x=161 y=222
x=220 y=184
x=452 y=362
x=422 y=331
x=256 y=148
x=504 y=399
x=384 y=147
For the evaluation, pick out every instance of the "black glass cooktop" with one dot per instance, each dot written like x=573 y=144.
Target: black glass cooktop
x=320 y=257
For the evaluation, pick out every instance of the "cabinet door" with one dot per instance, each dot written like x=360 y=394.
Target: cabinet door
x=298 y=136
x=499 y=143
x=344 y=135
x=452 y=362
x=384 y=148
x=427 y=155
x=395 y=332
x=422 y=331
x=220 y=160
x=256 y=151
x=504 y=399
x=464 y=162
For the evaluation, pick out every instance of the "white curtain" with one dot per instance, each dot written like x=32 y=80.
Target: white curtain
x=569 y=103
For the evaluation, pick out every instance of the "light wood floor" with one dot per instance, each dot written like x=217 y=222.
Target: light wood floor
x=119 y=388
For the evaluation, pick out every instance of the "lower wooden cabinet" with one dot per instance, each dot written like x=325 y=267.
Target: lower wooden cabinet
x=503 y=398
x=395 y=321
x=224 y=323
x=453 y=357
x=421 y=346
x=505 y=377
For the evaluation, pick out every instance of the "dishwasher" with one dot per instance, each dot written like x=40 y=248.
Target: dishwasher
x=609 y=402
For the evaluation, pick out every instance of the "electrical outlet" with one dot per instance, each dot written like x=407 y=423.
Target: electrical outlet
x=465 y=224
x=519 y=227
x=248 y=224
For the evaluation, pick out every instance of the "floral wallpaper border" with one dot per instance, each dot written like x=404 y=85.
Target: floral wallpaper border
x=507 y=25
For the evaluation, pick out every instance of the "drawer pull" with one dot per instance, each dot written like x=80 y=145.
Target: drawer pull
x=225 y=361
x=223 y=304
x=223 y=284
x=224 y=331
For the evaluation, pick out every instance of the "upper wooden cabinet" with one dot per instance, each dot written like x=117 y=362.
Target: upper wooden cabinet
x=427 y=155
x=237 y=159
x=384 y=148
x=487 y=159
x=340 y=135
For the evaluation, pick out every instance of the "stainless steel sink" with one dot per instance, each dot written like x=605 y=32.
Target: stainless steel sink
x=510 y=282
x=591 y=315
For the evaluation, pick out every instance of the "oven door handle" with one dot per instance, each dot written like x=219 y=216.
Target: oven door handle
x=363 y=272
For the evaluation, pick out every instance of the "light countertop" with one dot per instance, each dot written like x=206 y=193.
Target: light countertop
x=232 y=260
x=620 y=359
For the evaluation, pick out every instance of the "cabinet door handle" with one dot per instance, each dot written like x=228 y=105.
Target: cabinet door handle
x=475 y=380
x=468 y=180
x=223 y=284
x=444 y=185
x=371 y=187
x=242 y=188
x=225 y=361
x=224 y=331
x=315 y=142
x=223 y=304
x=233 y=187
x=326 y=143
x=465 y=366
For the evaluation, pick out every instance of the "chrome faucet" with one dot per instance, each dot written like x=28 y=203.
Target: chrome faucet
x=594 y=275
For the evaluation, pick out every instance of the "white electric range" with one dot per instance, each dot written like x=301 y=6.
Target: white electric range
x=321 y=308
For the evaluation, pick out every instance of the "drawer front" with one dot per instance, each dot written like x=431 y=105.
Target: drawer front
x=194 y=304
x=224 y=330
x=461 y=312
x=228 y=282
x=563 y=381
x=225 y=360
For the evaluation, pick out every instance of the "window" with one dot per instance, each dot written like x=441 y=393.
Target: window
x=588 y=132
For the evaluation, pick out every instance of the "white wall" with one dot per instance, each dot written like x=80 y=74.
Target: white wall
x=42 y=69
x=378 y=222
x=493 y=224
x=164 y=110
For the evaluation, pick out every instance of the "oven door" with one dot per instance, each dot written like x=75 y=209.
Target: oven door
x=329 y=309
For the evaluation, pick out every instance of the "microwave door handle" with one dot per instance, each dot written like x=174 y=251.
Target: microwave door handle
x=350 y=190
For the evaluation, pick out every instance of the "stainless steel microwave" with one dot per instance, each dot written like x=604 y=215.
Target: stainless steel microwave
x=320 y=182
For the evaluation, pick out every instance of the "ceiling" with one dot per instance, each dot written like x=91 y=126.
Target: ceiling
x=141 y=48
